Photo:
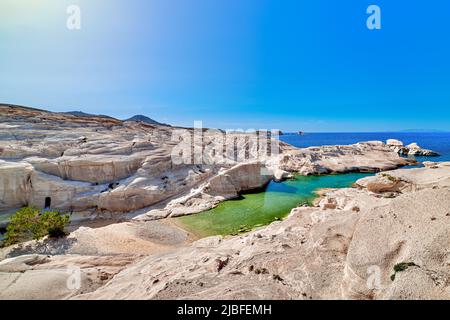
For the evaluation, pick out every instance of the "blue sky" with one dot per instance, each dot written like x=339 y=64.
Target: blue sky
x=290 y=65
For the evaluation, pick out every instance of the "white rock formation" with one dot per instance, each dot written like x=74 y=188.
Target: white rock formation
x=348 y=251
x=394 y=143
x=345 y=248
x=102 y=165
x=415 y=150
x=412 y=149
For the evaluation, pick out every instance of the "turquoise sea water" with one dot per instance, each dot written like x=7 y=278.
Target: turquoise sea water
x=251 y=210
x=255 y=209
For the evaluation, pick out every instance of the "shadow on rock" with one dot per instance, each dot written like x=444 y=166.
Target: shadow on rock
x=45 y=247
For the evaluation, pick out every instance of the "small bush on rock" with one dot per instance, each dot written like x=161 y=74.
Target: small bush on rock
x=28 y=223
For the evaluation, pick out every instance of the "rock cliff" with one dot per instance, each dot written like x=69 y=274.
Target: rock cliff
x=99 y=165
x=387 y=237
x=368 y=246
x=383 y=243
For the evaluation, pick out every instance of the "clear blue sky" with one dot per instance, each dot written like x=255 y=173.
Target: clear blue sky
x=291 y=65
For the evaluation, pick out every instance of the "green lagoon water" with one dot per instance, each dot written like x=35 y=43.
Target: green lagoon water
x=257 y=209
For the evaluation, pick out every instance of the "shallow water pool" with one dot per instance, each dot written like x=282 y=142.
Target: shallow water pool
x=257 y=209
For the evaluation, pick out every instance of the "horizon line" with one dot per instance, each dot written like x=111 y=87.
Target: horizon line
x=283 y=131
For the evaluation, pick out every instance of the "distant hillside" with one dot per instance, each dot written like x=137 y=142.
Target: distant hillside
x=84 y=114
x=145 y=119
x=139 y=117
x=423 y=130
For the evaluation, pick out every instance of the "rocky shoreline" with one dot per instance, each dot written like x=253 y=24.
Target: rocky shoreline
x=413 y=149
x=103 y=167
x=107 y=168
x=332 y=251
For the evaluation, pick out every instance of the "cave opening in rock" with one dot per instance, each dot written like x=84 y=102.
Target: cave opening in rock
x=48 y=202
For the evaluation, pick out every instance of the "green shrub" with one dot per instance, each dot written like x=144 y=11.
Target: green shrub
x=28 y=223
x=399 y=267
x=403 y=266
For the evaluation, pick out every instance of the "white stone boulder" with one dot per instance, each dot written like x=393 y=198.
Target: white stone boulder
x=415 y=150
x=394 y=142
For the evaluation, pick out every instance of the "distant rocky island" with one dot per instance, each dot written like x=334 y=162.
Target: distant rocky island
x=387 y=237
x=423 y=130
